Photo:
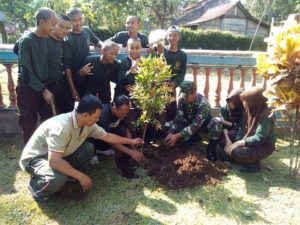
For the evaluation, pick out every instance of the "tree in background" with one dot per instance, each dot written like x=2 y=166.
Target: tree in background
x=279 y=9
x=98 y=13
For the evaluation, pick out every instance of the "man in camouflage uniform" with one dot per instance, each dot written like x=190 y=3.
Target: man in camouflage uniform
x=193 y=115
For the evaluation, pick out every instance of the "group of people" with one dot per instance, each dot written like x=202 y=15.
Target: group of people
x=57 y=71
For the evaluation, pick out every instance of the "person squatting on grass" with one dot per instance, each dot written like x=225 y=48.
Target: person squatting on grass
x=231 y=118
x=113 y=119
x=258 y=140
x=193 y=116
x=58 y=150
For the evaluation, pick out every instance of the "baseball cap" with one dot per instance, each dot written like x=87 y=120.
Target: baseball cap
x=186 y=88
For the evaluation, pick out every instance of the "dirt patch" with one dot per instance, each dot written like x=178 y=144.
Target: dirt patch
x=182 y=167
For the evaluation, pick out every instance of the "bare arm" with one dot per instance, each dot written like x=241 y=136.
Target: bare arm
x=56 y=162
x=116 y=139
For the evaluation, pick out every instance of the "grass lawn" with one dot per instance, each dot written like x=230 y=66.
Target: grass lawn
x=267 y=197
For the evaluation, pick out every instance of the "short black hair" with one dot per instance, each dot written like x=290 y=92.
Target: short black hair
x=89 y=104
x=64 y=17
x=121 y=100
x=72 y=12
x=43 y=13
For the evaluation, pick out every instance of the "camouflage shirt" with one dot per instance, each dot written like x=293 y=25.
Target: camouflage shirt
x=191 y=116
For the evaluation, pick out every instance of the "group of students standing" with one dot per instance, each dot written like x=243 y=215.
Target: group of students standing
x=56 y=70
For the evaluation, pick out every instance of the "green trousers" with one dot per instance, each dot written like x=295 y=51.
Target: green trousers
x=46 y=181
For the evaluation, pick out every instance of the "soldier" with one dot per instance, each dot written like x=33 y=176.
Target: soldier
x=193 y=115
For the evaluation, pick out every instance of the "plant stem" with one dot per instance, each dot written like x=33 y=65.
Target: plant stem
x=144 y=134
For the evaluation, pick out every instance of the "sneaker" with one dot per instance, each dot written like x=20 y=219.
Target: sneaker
x=94 y=161
x=107 y=152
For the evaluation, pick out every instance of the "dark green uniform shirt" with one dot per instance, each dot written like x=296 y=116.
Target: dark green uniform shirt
x=33 y=61
x=237 y=125
x=178 y=61
x=79 y=47
x=103 y=74
x=55 y=55
x=264 y=133
x=122 y=38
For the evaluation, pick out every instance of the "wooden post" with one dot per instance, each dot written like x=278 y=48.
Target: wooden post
x=230 y=85
x=11 y=86
x=218 y=88
x=206 y=88
x=253 y=82
x=195 y=73
x=2 y=105
x=242 y=80
x=264 y=83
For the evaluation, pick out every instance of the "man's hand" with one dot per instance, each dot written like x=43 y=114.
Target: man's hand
x=137 y=141
x=75 y=95
x=85 y=182
x=137 y=156
x=47 y=95
x=171 y=139
x=86 y=70
x=134 y=67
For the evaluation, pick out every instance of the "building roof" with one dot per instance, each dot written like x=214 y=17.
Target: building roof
x=220 y=11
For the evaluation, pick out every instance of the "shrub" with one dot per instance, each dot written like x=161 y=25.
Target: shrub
x=219 y=40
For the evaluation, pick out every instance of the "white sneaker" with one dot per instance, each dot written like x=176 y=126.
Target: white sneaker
x=94 y=161
x=107 y=152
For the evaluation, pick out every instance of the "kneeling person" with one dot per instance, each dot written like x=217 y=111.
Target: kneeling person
x=113 y=120
x=57 y=151
x=193 y=115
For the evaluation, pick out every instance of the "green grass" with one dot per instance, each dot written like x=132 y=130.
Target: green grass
x=267 y=197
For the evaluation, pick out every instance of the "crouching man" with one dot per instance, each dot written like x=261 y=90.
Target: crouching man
x=114 y=119
x=193 y=116
x=57 y=151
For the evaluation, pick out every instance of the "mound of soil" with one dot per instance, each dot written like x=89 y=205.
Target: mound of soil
x=184 y=167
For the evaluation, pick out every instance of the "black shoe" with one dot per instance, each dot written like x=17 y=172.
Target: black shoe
x=249 y=169
x=129 y=176
x=212 y=157
x=211 y=150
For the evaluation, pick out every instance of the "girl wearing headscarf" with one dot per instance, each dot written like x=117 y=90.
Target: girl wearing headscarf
x=231 y=118
x=258 y=140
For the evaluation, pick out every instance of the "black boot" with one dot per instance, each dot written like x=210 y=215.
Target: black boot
x=212 y=150
x=123 y=163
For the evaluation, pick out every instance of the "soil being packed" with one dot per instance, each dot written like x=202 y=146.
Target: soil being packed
x=182 y=167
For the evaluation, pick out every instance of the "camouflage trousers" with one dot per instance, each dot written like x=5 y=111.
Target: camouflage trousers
x=212 y=127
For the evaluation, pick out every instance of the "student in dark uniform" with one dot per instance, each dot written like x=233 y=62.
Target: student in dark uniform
x=231 y=119
x=56 y=49
x=178 y=60
x=100 y=71
x=128 y=67
x=258 y=140
x=79 y=41
x=32 y=94
x=132 y=26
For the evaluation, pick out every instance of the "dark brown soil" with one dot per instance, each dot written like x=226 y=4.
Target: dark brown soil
x=182 y=167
